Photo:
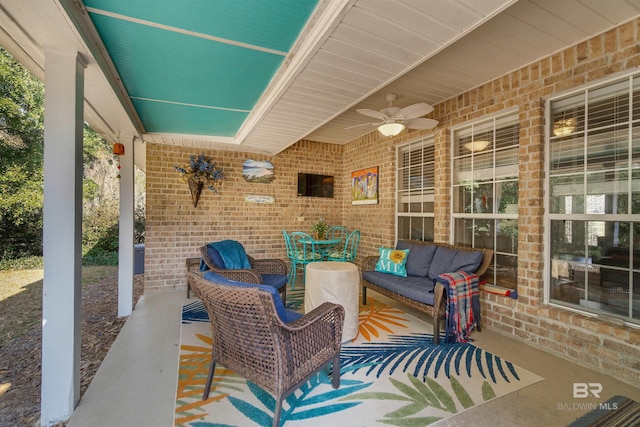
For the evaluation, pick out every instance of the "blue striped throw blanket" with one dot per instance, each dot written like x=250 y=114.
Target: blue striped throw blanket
x=463 y=304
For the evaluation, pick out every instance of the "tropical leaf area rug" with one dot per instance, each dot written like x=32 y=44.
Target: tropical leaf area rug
x=391 y=375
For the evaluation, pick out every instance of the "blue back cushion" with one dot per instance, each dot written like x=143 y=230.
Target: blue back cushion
x=419 y=259
x=448 y=260
x=215 y=257
x=284 y=314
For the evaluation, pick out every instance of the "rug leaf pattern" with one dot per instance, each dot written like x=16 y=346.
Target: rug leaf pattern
x=302 y=405
x=376 y=317
x=192 y=375
x=418 y=350
x=391 y=374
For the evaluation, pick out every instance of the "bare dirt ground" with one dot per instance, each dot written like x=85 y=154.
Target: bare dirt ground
x=20 y=354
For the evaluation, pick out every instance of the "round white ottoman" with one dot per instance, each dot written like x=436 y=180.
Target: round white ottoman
x=336 y=282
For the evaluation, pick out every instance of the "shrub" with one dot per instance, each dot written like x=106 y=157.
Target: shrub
x=25 y=263
x=98 y=256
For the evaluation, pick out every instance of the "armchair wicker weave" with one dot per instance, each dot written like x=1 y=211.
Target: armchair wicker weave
x=251 y=339
x=271 y=272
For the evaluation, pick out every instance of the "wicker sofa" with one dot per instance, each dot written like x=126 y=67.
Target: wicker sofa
x=425 y=262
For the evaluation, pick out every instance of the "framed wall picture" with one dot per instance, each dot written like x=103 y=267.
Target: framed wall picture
x=364 y=186
x=258 y=171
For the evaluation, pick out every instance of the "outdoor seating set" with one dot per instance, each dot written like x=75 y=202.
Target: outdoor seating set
x=254 y=334
x=337 y=245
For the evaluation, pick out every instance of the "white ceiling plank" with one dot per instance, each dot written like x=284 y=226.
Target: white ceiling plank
x=370 y=40
x=375 y=72
x=617 y=12
x=330 y=89
x=372 y=57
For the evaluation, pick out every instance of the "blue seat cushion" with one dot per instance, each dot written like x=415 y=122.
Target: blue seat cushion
x=285 y=315
x=275 y=280
x=417 y=288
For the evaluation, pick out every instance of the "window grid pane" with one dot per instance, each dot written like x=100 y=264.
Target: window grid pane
x=415 y=190
x=594 y=167
x=485 y=183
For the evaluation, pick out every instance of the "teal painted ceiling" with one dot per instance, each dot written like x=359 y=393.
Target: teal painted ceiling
x=261 y=75
x=197 y=67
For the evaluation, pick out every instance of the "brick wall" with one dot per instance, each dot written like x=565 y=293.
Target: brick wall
x=603 y=344
x=175 y=230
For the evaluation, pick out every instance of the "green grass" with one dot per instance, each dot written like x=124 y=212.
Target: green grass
x=21 y=297
x=20 y=301
x=90 y=257
x=13 y=282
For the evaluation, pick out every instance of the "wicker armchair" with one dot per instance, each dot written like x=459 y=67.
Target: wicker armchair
x=270 y=268
x=250 y=338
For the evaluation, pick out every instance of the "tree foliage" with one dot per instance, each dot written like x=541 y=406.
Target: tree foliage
x=21 y=154
x=22 y=179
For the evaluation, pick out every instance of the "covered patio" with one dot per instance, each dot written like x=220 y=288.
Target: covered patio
x=281 y=82
x=136 y=383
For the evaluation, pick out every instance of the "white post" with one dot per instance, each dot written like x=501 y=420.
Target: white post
x=126 y=253
x=62 y=235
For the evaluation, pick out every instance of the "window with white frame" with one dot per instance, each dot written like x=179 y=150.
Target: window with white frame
x=594 y=199
x=484 y=203
x=414 y=190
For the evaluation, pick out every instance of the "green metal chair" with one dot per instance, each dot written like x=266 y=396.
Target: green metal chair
x=301 y=251
x=337 y=232
x=349 y=251
x=291 y=258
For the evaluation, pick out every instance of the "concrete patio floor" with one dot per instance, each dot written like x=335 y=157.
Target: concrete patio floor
x=136 y=383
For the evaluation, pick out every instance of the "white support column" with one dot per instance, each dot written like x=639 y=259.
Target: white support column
x=62 y=235
x=126 y=253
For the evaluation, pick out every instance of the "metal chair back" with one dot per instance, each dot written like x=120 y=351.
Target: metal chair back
x=350 y=249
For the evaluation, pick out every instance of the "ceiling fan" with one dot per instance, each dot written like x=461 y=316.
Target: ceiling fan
x=393 y=120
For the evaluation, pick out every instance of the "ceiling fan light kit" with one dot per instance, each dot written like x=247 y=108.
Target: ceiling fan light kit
x=394 y=120
x=391 y=129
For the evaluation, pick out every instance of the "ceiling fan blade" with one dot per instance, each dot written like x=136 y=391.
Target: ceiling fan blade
x=372 y=113
x=364 y=124
x=413 y=111
x=421 y=124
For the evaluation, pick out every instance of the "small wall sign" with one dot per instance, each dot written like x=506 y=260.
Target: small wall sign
x=257 y=198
